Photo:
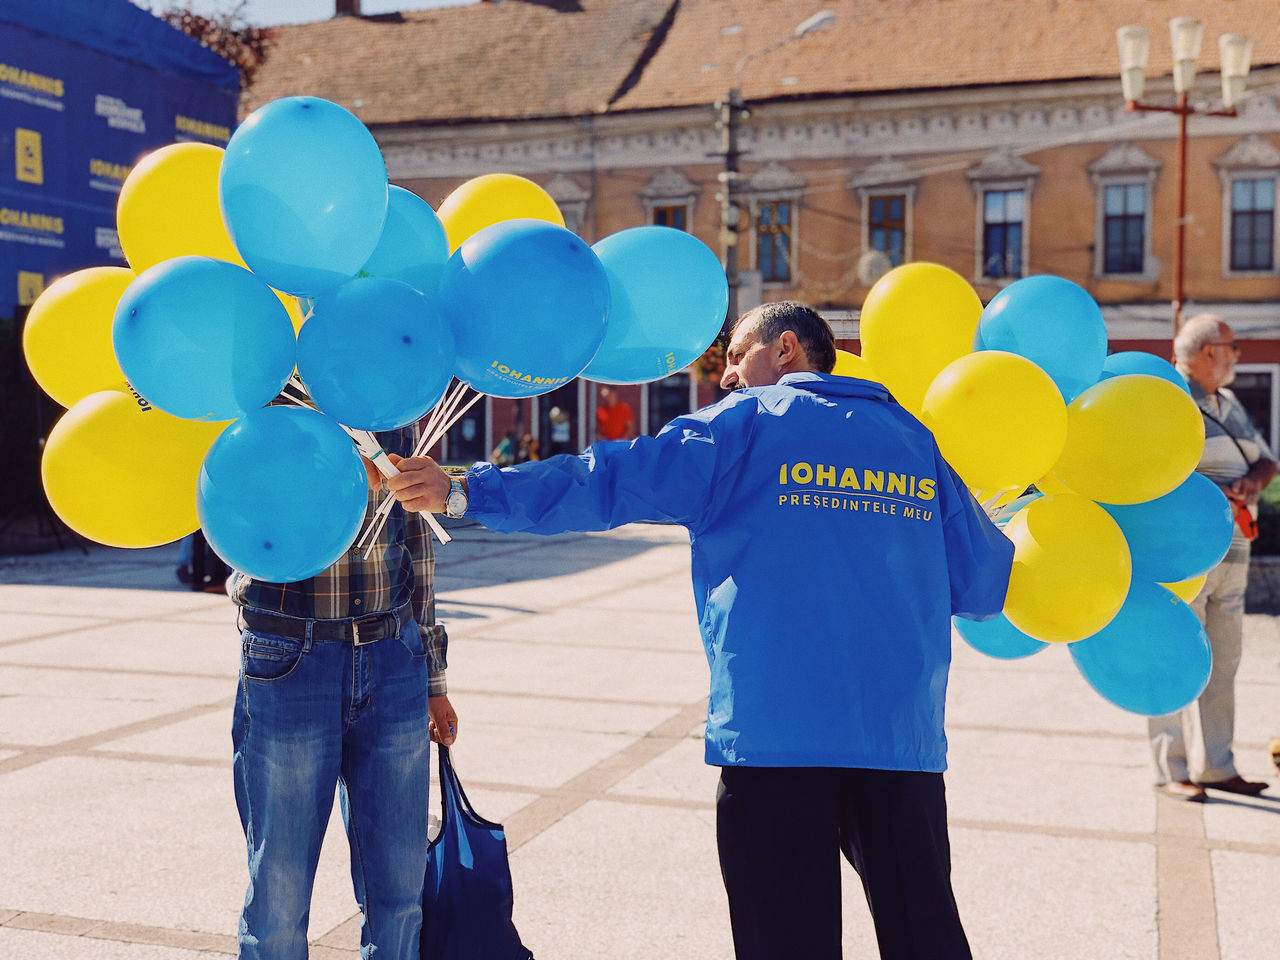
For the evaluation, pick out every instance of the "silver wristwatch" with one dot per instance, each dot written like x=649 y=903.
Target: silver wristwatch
x=455 y=504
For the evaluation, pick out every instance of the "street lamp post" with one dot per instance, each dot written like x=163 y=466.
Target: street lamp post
x=730 y=112
x=1185 y=34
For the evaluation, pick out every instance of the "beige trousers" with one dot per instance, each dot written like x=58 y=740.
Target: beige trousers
x=1195 y=743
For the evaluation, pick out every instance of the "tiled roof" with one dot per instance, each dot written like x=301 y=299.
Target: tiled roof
x=515 y=59
x=884 y=45
x=524 y=59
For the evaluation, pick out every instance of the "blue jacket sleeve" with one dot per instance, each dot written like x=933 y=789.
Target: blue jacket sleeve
x=979 y=555
x=664 y=478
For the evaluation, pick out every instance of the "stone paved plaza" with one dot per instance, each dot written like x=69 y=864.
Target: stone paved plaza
x=579 y=678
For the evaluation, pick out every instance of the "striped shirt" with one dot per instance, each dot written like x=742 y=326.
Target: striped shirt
x=1225 y=459
x=400 y=570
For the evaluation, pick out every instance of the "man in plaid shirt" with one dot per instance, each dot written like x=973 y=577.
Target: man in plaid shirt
x=342 y=681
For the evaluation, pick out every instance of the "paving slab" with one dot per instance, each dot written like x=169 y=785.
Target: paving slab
x=654 y=891
x=644 y=676
x=678 y=774
x=1054 y=898
x=655 y=629
x=1072 y=790
x=51 y=946
x=146 y=843
x=206 y=649
x=1246 y=885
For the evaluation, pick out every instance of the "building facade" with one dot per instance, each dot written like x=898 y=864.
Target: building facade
x=996 y=165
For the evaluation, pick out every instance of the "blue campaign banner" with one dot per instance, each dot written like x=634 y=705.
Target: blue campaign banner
x=86 y=89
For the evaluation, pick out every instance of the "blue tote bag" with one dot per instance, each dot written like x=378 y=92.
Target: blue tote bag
x=467 y=900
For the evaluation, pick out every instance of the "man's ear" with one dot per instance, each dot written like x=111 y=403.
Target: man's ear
x=788 y=348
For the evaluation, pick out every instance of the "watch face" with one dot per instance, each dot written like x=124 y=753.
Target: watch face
x=455 y=505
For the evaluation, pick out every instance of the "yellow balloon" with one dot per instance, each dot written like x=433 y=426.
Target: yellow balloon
x=168 y=207
x=1187 y=590
x=917 y=319
x=999 y=419
x=851 y=365
x=1071 y=569
x=293 y=308
x=67 y=337
x=119 y=471
x=1130 y=439
x=492 y=198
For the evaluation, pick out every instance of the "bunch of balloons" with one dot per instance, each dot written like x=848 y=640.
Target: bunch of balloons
x=1118 y=532
x=290 y=252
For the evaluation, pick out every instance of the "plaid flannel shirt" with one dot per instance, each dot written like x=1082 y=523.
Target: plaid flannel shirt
x=401 y=569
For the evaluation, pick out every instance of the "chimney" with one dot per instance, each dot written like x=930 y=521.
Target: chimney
x=347 y=8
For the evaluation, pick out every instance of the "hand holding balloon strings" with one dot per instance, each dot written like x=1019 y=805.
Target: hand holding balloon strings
x=441 y=420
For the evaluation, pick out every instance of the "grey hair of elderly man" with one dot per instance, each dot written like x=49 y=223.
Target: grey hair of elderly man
x=1195 y=333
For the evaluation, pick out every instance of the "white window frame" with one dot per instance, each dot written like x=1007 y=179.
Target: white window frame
x=1229 y=179
x=868 y=194
x=774 y=183
x=1147 y=181
x=981 y=188
x=669 y=188
x=753 y=209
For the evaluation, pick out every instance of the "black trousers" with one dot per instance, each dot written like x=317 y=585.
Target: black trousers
x=781 y=831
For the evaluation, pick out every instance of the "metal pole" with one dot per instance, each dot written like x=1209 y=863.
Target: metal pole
x=1179 y=250
x=730 y=111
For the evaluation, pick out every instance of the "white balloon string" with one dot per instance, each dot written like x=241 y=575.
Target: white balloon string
x=436 y=412
x=441 y=414
x=452 y=419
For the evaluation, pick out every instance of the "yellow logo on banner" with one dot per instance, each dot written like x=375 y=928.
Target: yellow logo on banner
x=29 y=163
x=30 y=286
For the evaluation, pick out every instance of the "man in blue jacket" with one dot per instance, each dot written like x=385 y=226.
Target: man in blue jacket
x=831 y=545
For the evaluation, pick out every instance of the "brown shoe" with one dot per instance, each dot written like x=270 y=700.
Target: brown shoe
x=1238 y=784
x=1274 y=750
x=1183 y=790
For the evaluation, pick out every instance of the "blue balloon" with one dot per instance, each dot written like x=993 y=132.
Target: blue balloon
x=668 y=298
x=1139 y=361
x=1177 y=536
x=376 y=354
x=1052 y=322
x=282 y=494
x=1153 y=658
x=413 y=247
x=997 y=638
x=303 y=191
x=527 y=302
x=203 y=339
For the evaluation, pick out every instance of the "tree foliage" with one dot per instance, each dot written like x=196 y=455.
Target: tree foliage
x=227 y=34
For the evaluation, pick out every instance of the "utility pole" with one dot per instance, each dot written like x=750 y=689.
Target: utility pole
x=731 y=112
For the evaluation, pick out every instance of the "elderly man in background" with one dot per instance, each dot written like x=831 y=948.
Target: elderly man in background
x=1192 y=748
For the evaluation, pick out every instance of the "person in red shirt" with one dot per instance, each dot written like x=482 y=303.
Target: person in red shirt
x=614 y=420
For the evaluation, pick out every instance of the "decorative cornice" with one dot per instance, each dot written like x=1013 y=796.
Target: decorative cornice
x=773 y=178
x=1124 y=158
x=1251 y=153
x=669 y=184
x=885 y=172
x=566 y=190
x=1002 y=164
x=847 y=129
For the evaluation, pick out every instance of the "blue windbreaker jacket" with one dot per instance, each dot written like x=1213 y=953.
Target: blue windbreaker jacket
x=831 y=545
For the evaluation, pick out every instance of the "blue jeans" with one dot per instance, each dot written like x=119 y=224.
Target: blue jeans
x=309 y=715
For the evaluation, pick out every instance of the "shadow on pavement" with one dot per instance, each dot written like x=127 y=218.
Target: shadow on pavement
x=476 y=558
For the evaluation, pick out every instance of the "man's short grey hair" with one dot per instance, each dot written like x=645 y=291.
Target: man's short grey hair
x=811 y=330
x=1195 y=333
